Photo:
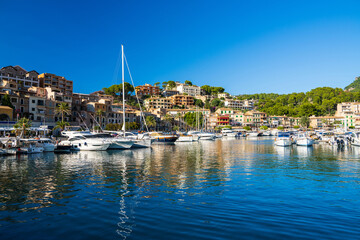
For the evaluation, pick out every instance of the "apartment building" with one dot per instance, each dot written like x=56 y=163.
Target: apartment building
x=16 y=78
x=57 y=83
x=182 y=112
x=169 y=93
x=190 y=90
x=225 y=111
x=327 y=121
x=182 y=100
x=158 y=102
x=37 y=108
x=223 y=120
x=147 y=90
x=347 y=108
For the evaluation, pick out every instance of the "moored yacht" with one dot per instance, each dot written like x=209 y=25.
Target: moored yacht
x=161 y=138
x=85 y=141
x=283 y=139
x=303 y=140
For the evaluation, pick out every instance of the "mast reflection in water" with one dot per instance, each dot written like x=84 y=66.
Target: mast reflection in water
x=223 y=189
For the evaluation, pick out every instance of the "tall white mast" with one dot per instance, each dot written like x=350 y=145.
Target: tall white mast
x=123 y=86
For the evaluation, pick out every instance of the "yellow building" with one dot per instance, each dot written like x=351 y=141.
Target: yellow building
x=6 y=113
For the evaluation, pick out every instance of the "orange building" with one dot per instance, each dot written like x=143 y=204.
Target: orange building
x=147 y=90
x=182 y=100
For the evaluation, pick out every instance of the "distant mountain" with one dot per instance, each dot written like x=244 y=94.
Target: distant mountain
x=354 y=86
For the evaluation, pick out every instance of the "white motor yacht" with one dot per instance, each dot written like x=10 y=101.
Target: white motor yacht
x=206 y=136
x=303 y=140
x=283 y=139
x=85 y=141
x=355 y=139
x=117 y=142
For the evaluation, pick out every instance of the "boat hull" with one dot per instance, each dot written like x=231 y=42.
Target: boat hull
x=283 y=142
x=304 y=142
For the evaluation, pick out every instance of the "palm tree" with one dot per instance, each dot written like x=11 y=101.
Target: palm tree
x=61 y=125
x=168 y=119
x=100 y=113
x=178 y=117
x=63 y=109
x=22 y=125
x=150 y=121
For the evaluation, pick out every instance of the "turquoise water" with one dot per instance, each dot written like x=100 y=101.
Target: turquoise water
x=226 y=189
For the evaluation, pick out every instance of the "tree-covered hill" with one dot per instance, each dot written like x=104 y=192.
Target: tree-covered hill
x=319 y=102
x=354 y=86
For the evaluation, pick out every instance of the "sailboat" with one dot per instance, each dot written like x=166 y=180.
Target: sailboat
x=140 y=140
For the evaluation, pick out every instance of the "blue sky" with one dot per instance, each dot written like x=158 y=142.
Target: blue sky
x=244 y=46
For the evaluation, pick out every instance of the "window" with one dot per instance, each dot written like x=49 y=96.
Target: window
x=21 y=101
x=33 y=101
x=33 y=109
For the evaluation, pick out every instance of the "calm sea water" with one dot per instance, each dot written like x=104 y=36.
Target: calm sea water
x=226 y=189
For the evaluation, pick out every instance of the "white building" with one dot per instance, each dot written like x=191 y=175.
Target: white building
x=37 y=108
x=190 y=90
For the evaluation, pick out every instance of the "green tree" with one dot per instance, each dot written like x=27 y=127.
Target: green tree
x=247 y=128
x=63 y=109
x=5 y=101
x=61 y=125
x=116 y=90
x=305 y=121
x=156 y=84
x=150 y=122
x=280 y=128
x=171 y=84
x=187 y=82
x=22 y=126
x=264 y=127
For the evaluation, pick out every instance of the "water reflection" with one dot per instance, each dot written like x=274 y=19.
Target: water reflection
x=127 y=188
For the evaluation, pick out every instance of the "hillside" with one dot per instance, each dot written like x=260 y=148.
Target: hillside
x=354 y=86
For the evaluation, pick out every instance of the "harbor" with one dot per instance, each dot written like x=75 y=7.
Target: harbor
x=205 y=190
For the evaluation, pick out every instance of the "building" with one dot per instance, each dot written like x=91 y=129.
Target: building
x=56 y=83
x=158 y=102
x=224 y=111
x=169 y=93
x=182 y=100
x=190 y=90
x=147 y=90
x=16 y=78
x=330 y=121
x=347 y=108
x=239 y=104
x=223 y=120
x=6 y=113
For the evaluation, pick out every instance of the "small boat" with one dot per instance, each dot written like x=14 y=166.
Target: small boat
x=355 y=139
x=29 y=148
x=46 y=143
x=161 y=138
x=188 y=138
x=206 y=136
x=283 y=139
x=253 y=134
x=266 y=133
x=62 y=148
x=303 y=140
